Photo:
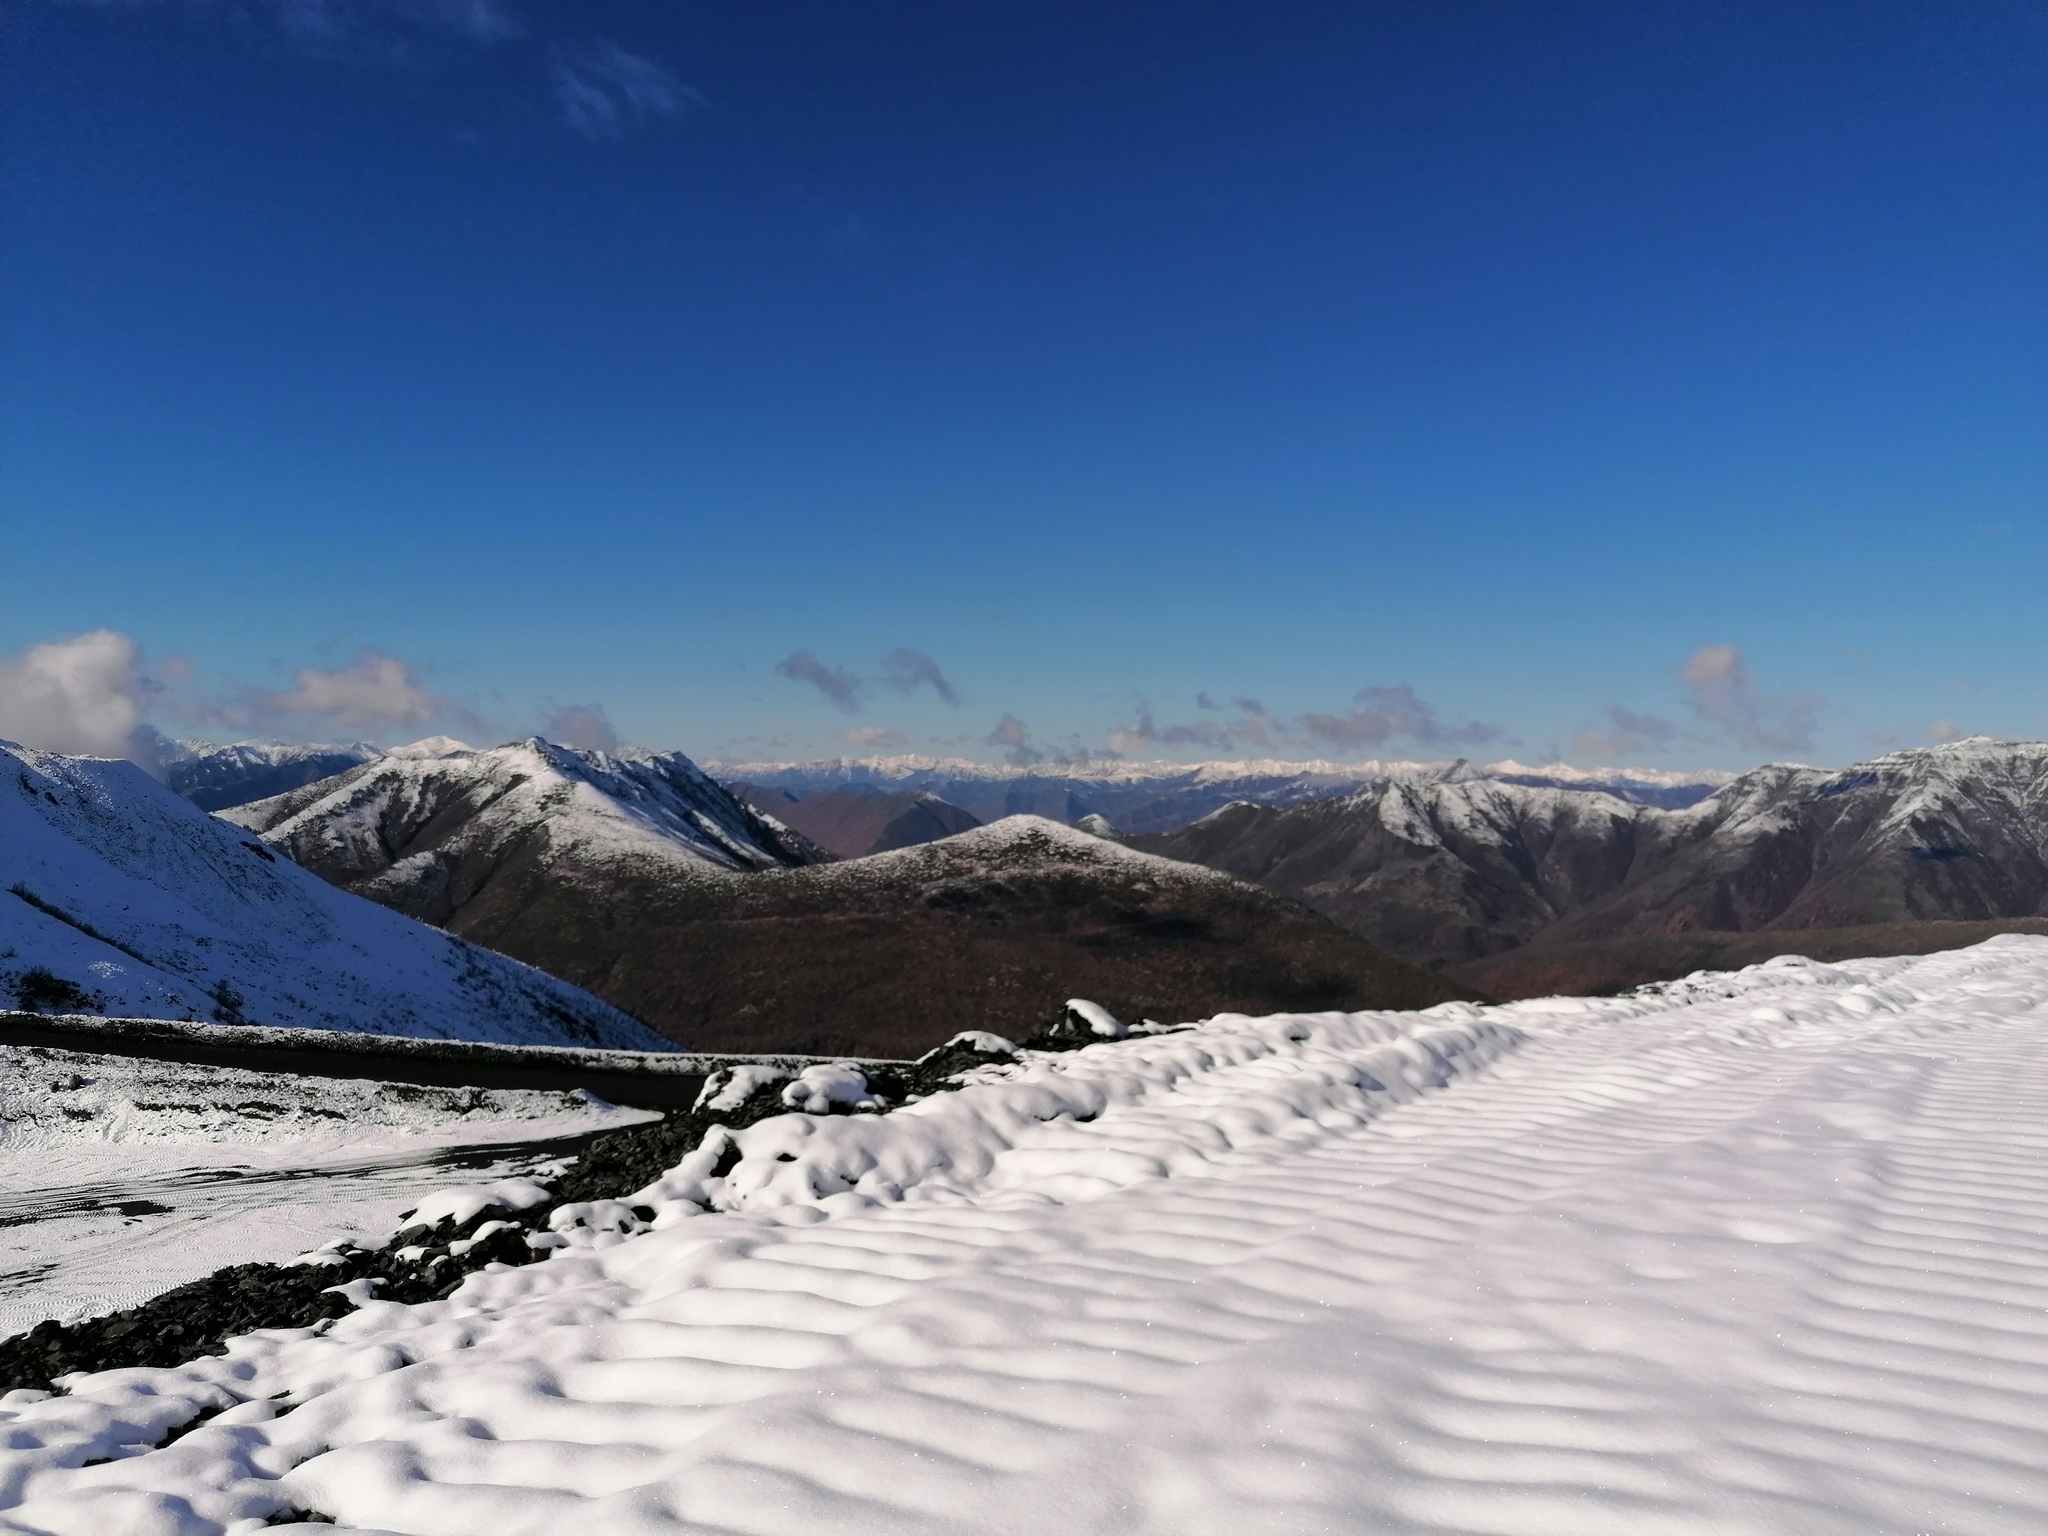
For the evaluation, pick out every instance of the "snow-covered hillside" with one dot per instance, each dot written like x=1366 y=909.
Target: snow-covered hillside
x=118 y=897
x=428 y=828
x=1754 y=1253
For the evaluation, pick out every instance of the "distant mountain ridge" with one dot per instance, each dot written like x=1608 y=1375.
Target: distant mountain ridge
x=1163 y=797
x=118 y=897
x=217 y=778
x=854 y=825
x=1451 y=872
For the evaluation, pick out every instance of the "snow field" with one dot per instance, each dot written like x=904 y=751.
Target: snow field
x=1759 y=1253
x=121 y=1177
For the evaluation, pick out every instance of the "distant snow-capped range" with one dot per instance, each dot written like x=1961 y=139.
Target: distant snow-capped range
x=1162 y=797
x=1132 y=796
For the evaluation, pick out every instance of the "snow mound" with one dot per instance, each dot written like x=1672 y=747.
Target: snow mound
x=117 y=897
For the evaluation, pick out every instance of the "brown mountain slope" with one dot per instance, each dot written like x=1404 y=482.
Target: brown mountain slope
x=993 y=929
x=853 y=824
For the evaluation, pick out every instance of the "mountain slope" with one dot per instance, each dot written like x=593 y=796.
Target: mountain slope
x=255 y=770
x=118 y=897
x=853 y=825
x=437 y=829
x=1950 y=833
x=1433 y=872
x=1449 y=873
x=889 y=955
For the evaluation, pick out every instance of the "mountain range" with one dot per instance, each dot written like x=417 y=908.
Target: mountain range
x=1452 y=873
x=1139 y=797
x=119 y=897
x=993 y=929
x=638 y=877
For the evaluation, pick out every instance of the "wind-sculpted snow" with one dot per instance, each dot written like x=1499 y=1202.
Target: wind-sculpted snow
x=1753 y=1253
x=117 y=897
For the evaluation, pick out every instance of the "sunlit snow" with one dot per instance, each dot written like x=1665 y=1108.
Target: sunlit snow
x=1753 y=1253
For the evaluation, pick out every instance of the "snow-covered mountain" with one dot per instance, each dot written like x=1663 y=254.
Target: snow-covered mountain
x=1163 y=797
x=1454 y=870
x=437 y=827
x=215 y=778
x=119 y=897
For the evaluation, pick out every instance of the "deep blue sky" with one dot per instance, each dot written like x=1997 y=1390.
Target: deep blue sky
x=1496 y=357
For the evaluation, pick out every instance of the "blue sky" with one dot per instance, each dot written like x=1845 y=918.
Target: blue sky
x=1662 y=382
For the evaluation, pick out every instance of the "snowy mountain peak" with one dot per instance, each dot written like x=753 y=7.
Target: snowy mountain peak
x=429 y=830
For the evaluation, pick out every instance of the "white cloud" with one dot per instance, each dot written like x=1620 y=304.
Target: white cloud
x=375 y=691
x=1944 y=731
x=83 y=695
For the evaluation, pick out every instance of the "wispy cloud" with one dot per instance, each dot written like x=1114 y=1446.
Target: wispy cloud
x=606 y=92
x=581 y=725
x=874 y=738
x=1382 y=715
x=1013 y=736
x=1376 y=717
x=397 y=32
x=1724 y=697
x=906 y=671
x=1629 y=734
x=839 y=687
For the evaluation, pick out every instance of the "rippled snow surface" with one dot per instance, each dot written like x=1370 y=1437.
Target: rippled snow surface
x=1758 y=1253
